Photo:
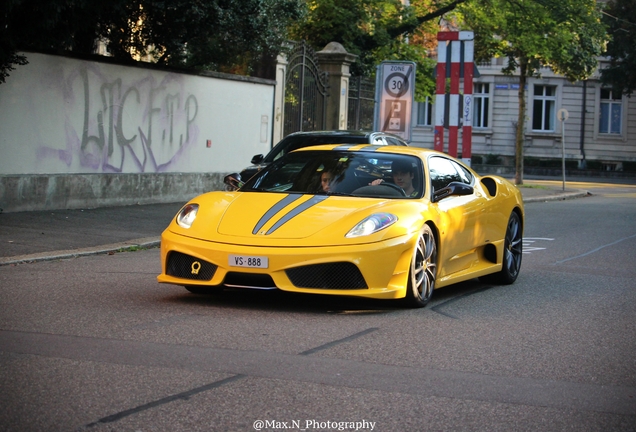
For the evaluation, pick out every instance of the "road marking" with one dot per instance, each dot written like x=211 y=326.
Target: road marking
x=340 y=373
x=595 y=250
x=528 y=241
x=182 y=396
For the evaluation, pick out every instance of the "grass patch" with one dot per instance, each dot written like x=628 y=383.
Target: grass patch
x=133 y=248
x=531 y=186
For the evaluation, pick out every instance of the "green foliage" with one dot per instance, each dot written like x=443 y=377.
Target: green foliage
x=424 y=66
x=620 y=74
x=225 y=35
x=377 y=30
x=565 y=35
x=629 y=167
x=492 y=159
x=550 y=163
x=361 y=26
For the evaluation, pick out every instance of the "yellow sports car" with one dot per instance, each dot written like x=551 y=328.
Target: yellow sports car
x=383 y=222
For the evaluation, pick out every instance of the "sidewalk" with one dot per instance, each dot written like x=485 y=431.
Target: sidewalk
x=56 y=234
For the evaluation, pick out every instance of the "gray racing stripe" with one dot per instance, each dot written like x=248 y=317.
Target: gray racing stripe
x=345 y=146
x=275 y=209
x=296 y=211
x=371 y=147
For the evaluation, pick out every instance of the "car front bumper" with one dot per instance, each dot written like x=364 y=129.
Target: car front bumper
x=383 y=266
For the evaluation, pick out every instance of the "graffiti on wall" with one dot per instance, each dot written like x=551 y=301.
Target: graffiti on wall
x=114 y=125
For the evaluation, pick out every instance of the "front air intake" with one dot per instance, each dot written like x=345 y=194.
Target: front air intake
x=188 y=267
x=341 y=275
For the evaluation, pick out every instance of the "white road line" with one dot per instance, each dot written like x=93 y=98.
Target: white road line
x=527 y=241
x=595 y=250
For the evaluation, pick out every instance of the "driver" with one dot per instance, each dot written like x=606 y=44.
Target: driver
x=403 y=173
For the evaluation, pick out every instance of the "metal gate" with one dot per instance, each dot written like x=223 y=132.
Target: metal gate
x=305 y=92
x=361 y=103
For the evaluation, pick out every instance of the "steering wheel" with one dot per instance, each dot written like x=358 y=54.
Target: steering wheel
x=393 y=186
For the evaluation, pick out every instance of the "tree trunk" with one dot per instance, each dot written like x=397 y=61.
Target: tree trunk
x=523 y=69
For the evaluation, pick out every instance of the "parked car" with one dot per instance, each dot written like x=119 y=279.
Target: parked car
x=392 y=223
x=297 y=140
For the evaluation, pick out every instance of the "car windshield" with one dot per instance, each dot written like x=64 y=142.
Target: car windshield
x=349 y=173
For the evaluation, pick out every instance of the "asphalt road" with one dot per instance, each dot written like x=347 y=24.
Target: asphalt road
x=95 y=343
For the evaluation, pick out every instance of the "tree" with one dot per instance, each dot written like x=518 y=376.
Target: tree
x=223 y=35
x=55 y=25
x=361 y=26
x=565 y=35
x=377 y=30
x=620 y=17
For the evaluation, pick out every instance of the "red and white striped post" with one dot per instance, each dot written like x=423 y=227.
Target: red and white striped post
x=440 y=94
x=457 y=40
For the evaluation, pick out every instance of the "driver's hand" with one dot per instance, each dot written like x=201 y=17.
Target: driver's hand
x=376 y=182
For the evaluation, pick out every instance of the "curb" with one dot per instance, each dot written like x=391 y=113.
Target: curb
x=153 y=242
x=142 y=243
x=558 y=197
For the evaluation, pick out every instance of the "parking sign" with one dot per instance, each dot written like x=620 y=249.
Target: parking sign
x=395 y=89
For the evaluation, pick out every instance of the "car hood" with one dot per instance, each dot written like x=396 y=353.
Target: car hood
x=265 y=219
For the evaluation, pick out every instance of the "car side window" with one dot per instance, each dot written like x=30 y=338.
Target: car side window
x=442 y=172
x=392 y=141
x=466 y=176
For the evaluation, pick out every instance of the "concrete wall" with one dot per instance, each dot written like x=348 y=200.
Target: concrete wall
x=85 y=133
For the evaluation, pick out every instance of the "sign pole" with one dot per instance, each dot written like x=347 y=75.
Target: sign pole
x=563 y=115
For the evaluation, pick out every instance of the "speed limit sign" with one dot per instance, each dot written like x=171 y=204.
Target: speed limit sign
x=395 y=87
x=396 y=84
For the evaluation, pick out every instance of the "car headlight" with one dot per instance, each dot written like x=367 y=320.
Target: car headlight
x=372 y=224
x=187 y=215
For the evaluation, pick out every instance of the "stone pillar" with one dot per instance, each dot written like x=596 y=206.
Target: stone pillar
x=335 y=60
x=279 y=99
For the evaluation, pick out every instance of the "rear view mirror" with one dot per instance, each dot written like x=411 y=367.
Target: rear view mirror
x=453 y=189
x=257 y=159
x=232 y=182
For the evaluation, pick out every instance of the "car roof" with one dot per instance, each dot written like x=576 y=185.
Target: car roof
x=415 y=151
x=341 y=133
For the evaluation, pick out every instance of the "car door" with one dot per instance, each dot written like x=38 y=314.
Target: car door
x=462 y=230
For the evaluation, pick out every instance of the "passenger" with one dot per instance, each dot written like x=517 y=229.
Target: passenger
x=325 y=181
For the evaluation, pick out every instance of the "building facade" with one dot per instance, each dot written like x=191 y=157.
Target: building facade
x=598 y=127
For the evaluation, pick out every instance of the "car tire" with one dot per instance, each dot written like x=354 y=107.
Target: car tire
x=513 y=251
x=423 y=270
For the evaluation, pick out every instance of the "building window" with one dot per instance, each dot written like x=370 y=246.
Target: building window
x=481 y=103
x=543 y=108
x=425 y=113
x=611 y=112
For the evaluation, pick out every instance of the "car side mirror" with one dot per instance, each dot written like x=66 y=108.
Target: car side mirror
x=257 y=159
x=453 y=189
x=232 y=182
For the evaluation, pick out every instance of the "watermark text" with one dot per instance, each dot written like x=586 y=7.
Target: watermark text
x=308 y=425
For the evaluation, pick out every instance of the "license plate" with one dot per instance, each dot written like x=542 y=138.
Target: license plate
x=248 y=261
